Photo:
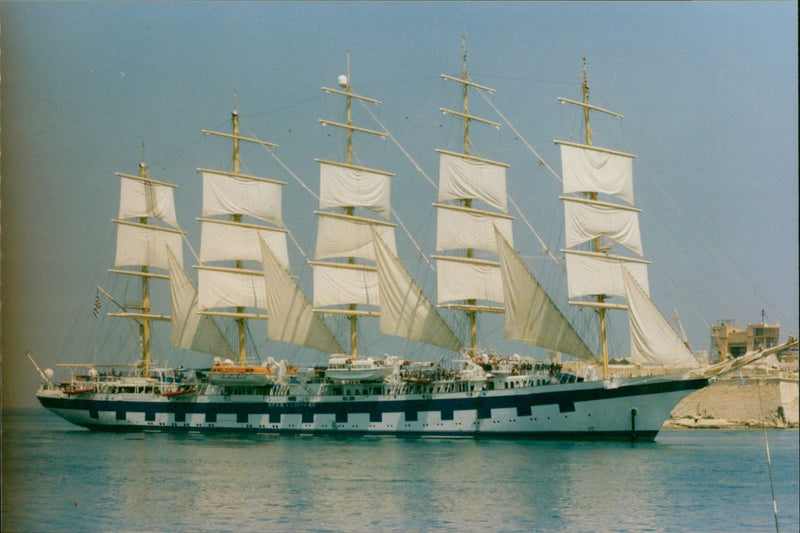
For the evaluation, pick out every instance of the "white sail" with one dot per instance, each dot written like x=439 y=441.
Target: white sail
x=190 y=330
x=140 y=197
x=531 y=316
x=461 y=227
x=145 y=245
x=592 y=273
x=230 y=287
x=590 y=169
x=587 y=219
x=405 y=310
x=344 y=284
x=223 y=240
x=463 y=176
x=343 y=185
x=461 y=278
x=292 y=319
x=652 y=338
x=238 y=194
x=340 y=235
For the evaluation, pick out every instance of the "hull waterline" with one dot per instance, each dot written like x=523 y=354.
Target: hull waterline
x=629 y=410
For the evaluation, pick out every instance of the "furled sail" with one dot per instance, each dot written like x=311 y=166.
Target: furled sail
x=531 y=316
x=292 y=319
x=405 y=310
x=588 y=219
x=652 y=338
x=190 y=330
x=591 y=169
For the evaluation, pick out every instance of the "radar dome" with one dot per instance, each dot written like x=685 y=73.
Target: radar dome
x=48 y=372
x=92 y=373
x=342 y=80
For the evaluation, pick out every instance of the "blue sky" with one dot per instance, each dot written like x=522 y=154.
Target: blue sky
x=708 y=92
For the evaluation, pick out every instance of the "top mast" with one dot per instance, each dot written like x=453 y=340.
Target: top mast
x=236 y=218
x=350 y=210
x=240 y=325
x=596 y=245
x=143 y=244
x=344 y=83
x=467 y=202
x=601 y=311
x=144 y=325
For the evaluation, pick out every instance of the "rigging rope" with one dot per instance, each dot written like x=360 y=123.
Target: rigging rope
x=419 y=169
x=769 y=461
x=518 y=134
x=397 y=143
x=542 y=162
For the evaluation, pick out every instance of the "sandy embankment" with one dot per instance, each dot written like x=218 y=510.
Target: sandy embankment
x=754 y=400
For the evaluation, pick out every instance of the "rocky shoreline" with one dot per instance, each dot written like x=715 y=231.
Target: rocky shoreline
x=758 y=398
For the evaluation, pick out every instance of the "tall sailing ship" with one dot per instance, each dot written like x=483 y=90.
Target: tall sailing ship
x=244 y=274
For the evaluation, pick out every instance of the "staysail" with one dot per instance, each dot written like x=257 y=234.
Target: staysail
x=596 y=273
x=190 y=330
x=405 y=310
x=292 y=318
x=652 y=338
x=531 y=316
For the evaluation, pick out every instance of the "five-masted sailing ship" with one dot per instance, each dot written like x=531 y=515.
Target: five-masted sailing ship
x=357 y=274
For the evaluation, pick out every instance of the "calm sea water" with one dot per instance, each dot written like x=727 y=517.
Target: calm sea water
x=60 y=478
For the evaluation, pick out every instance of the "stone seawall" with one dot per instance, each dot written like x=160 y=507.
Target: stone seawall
x=754 y=400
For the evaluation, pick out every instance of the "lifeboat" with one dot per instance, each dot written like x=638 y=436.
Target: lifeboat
x=227 y=373
x=179 y=392
x=341 y=368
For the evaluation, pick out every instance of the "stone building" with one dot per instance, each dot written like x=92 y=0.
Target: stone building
x=730 y=340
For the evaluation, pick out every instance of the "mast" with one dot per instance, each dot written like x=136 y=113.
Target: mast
x=143 y=244
x=601 y=311
x=599 y=251
x=237 y=225
x=471 y=308
x=349 y=172
x=473 y=325
x=144 y=325
x=350 y=210
x=240 y=325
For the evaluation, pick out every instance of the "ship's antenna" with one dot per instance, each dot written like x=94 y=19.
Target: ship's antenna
x=463 y=52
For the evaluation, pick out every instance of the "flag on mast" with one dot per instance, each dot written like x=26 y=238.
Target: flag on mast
x=96 y=309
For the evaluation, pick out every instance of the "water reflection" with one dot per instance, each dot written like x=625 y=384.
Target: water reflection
x=158 y=482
